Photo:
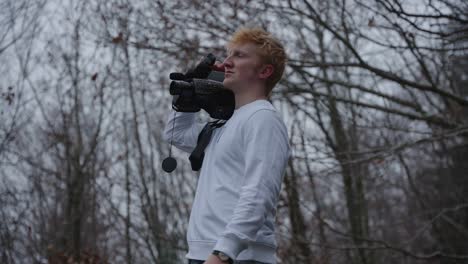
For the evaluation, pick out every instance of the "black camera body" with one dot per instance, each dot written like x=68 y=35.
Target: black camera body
x=202 y=88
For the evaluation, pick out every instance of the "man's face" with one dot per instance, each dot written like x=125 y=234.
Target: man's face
x=242 y=66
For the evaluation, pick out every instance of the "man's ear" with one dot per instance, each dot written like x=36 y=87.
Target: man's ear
x=266 y=71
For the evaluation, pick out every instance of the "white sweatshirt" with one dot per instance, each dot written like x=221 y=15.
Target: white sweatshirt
x=240 y=180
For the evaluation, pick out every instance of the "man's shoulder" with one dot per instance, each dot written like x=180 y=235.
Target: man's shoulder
x=262 y=106
x=265 y=116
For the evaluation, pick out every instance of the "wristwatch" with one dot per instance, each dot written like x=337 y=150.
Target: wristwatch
x=223 y=257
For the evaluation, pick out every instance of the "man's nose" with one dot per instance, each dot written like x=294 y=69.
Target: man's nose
x=227 y=62
x=218 y=66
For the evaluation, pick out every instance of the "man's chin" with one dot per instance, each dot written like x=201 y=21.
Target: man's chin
x=227 y=84
x=231 y=85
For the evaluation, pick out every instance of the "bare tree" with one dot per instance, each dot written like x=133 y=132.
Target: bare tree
x=374 y=96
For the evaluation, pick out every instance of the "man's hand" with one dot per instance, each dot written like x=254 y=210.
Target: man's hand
x=212 y=259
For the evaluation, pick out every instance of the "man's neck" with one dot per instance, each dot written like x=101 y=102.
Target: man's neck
x=243 y=99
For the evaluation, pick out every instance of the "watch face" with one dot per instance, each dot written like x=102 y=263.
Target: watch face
x=223 y=256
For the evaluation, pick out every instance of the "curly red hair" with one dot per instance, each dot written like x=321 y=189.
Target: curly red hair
x=271 y=51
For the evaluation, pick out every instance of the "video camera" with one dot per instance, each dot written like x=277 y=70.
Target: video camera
x=202 y=88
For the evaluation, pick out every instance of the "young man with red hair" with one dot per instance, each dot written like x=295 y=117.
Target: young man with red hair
x=233 y=214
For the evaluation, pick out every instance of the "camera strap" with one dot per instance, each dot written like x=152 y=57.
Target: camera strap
x=196 y=158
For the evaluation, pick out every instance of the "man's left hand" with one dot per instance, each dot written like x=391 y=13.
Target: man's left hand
x=212 y=259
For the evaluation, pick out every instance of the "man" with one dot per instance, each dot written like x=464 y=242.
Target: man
x=233 y=213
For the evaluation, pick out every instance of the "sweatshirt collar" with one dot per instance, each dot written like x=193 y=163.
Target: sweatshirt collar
x=253 y=103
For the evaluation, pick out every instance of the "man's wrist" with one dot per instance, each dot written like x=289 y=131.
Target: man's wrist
x=223 y=257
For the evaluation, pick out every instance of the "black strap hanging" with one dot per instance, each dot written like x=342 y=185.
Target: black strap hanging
x=196 y=158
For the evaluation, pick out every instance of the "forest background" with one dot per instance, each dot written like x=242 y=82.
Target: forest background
x=375 y=98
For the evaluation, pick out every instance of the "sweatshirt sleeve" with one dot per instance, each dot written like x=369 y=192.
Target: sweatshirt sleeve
x=265 y=141
x=183 y=130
